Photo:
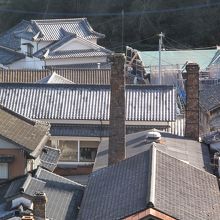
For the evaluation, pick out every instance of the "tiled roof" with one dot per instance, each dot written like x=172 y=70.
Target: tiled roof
x=151 y=179
x=55 y=79
x=22 y=131
x=8 y=56
x=52 y=29
x=10 y=39
x=78 y=76
x=86 y=66
x=64 y=196
x=209 y=97
x=52 y=51
x=88 y=102
x=190 y=151
x=49 y=157
x=77 y=53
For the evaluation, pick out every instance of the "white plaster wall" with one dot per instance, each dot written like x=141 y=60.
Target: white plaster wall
x=7 y=145
x=24 y=47
x=27 y=63
x=93 y=41
x=69 y=61
x=76 y=44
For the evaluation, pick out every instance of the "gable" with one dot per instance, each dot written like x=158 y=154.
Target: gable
x=4 y=144
x=76 y=44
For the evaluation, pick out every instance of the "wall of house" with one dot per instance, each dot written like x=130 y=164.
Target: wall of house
x=76 y=44
x=76 y=149
x=28 y=63
x=24 y=46
x=204 y=120
x=82 y=60
x=17 y=166
x=7 y=145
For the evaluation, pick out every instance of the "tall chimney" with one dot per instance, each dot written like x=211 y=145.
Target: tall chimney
x=40 y=200
x=117 y=110
x=192 y=101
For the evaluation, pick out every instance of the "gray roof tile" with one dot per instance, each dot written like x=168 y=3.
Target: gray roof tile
x=8 y=56
x=88 y=102
x=54 y=78
x=78 y=76
x=64 y=195
x=192 y=152
x=10 y=39
x=49 y=157
x=52 y=29
x=209 y=97
x=171 y=186
x=20 y=130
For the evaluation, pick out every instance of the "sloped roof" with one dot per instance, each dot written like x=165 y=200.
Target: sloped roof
x=52 y=29
x=209 y=98
x=78 y=76
x=178 y=57
x=49 y=158
x=54 y=79
x=64 y=196
x=10 y=38
x=22 y=131
x=151 y=179
x=52 y=51
x=88 y=102
x=190 y=151
x=8 y=56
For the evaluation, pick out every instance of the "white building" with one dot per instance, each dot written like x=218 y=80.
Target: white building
x=37 y=44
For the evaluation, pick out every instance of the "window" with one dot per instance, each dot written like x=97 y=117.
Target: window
x=69 y=150
x=77 y=151
x=3 y=170
x=29 y=50
x=88 y=150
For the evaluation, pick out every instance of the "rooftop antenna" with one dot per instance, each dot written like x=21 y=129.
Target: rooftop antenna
x=161 y=35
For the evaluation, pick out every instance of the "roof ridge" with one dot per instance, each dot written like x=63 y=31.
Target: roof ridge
x=15 y=114
x=41 y=168
x=59 y=19
x=11 y=50
x=54 y=74
x=26 y=183
x=152 y=176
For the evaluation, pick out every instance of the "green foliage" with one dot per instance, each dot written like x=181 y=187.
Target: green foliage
x=196 y=27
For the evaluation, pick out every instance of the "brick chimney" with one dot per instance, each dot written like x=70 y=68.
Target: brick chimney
x=192 y=101
x=40 y=200
x=117 y=110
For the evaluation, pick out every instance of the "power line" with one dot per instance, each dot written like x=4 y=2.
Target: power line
x=129 y=13
x=134 y=42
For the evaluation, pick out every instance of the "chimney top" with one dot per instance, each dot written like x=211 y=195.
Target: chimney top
x=40 y=200
x=40 y=196
x=192 y=67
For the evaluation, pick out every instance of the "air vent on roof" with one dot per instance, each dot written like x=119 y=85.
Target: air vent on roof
x=153 y=136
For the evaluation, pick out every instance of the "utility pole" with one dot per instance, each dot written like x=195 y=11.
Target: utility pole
x=122 y=30
x=161 y=35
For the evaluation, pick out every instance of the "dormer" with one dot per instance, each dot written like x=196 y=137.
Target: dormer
x=29 y=49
